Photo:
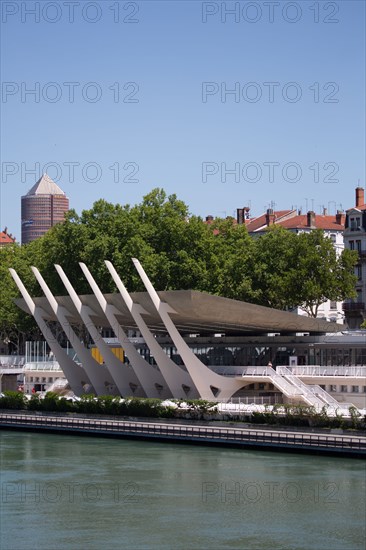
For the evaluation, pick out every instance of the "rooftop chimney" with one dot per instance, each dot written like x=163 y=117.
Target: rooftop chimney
x=240 y=216
x=325 y=211
x=311 y=219
x=340 y=217
x=270 y=216
x=360 y=196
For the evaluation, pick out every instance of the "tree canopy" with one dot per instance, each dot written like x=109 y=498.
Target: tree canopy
x=178 y=251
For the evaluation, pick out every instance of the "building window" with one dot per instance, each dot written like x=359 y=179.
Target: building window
x=355 y=224
x=333 y=237
x=355 y=389
x=333 y=304
x=358 y=246
x=332 y=387
x=358 y=272
x=352 y=245
x=344 y=389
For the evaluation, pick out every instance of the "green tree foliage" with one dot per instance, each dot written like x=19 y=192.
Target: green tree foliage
x=178 y=251
x=14 y=325
x=303 y=270
x=274 y=267
x=232 y=275
x=321 y=274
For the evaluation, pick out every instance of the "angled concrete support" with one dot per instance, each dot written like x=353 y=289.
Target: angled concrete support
x=101 y=379
x=121 y=373
x=76 y=375
x=179 y=381
x=209 y=384
x=149 y=377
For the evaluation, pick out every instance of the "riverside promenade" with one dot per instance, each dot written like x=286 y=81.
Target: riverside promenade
x=193 y=433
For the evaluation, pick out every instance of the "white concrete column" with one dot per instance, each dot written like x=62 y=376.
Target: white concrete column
x=179 y=381
x=122 y=374
x=209 y=384
x=150 y=378
x=76 y=375
x=101 y=379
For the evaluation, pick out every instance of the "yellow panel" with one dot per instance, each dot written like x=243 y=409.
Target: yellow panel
x=118 y=352
x=96 y=355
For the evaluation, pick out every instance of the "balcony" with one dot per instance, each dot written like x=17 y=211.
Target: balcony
x=353 y=306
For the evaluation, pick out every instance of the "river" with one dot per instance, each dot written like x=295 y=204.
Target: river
x=70 y=492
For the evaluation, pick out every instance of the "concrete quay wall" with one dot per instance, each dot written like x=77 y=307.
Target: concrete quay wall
x=335 y=444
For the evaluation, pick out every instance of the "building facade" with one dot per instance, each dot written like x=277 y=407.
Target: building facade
x=42 y=207
x=355 y=239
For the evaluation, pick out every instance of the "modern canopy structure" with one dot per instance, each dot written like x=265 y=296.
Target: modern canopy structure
x=172 y=313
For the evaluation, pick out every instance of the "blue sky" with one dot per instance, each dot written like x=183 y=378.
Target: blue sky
x=150 y=109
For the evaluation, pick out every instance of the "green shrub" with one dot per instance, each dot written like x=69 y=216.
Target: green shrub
x=49 y=402
x=34 y=404
x=88 y=404
x=14 y=400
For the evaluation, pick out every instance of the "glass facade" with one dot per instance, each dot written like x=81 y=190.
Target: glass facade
x=251 y=353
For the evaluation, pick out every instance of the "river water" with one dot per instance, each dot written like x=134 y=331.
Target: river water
x=68 y=492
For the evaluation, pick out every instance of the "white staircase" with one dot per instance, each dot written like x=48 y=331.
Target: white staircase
x=304 y=391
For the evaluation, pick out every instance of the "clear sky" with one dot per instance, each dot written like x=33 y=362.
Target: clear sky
x=128 y=96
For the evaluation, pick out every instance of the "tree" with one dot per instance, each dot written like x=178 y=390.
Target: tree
x=273 y=266
x=233 y=253
x=302 y=270
x=178 y=251
x=321 y=274
x=15 y=327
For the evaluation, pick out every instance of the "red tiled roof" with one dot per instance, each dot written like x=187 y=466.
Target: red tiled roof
x=6 y=239
x=320 y=222
x=256 y=223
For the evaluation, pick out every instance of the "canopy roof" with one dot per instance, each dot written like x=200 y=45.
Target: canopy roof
x=195 y=312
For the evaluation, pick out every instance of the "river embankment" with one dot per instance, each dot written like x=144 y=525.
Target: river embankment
x=310 y=440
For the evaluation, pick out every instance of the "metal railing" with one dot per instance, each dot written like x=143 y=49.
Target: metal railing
x=328 y=371
x=325 y=442
x=254 y=400
x=325 y=397
x=12 y=361
x=43 y=366
x=303 y=389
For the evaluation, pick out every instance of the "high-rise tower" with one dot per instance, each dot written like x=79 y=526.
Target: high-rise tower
x=42 y=207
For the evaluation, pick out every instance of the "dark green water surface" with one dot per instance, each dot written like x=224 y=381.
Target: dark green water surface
x=64 y=492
